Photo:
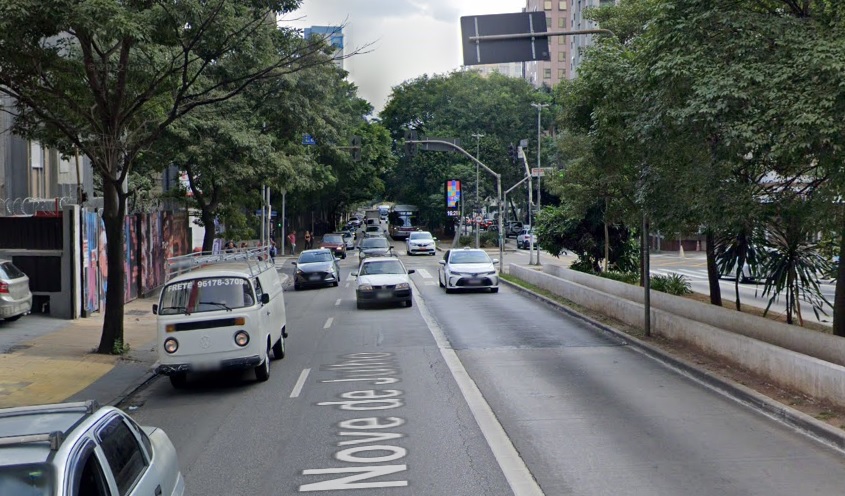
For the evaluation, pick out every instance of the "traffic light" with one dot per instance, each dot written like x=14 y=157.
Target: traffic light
x=410 y=148
x=512 y=152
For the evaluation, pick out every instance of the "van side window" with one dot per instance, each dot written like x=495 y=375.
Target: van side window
x=258 y=290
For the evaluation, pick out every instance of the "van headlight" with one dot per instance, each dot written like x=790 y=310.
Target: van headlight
x=171 y=345
x=241 y=338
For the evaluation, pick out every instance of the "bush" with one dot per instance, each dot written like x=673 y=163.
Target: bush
x=489 y=240
x=626 y=277
x=674 y=284
x=583 y=265
x=466 y=241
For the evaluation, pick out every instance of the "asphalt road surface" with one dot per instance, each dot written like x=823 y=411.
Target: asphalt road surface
x=471 y=394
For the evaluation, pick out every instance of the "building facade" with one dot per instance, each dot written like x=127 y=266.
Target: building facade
x=332 y=34
x=550 y=73
x=577 y=44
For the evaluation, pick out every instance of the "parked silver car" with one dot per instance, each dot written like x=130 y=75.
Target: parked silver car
x=80 y=448
x=15 y=296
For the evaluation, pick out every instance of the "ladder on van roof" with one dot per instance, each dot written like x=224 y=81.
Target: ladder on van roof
x=257 y=260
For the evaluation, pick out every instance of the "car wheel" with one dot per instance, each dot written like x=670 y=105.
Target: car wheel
x=494 y=290
x=344 y=256
x=440 y=283
x=335 y=283
x=279 y=349
x=359 y=305
x=296 y=287
x=179 y=381
x=448 y=289
x=262 y=372
x=407 y=253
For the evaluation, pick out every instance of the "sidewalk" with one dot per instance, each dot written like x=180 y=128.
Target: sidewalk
x=59 y=364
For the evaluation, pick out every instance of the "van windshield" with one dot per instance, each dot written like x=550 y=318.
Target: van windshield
x=206 y=295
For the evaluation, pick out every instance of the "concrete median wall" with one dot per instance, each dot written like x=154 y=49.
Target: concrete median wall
x=707 y=328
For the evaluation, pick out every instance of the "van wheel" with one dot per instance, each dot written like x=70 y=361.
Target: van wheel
x=279 y=349
x=262 y=372
x=179 y=381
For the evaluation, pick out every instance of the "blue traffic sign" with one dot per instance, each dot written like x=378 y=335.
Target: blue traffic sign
x=274 y=213
x=307 y=139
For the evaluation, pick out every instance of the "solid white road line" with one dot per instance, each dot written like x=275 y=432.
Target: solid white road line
x=297 y=388
x=516 y=472
x=424 y=273
x=328 y=323
x=346 y=285
x=337 y=302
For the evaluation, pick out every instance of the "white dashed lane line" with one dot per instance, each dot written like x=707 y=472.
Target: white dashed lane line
x=328 y=323
x=337 y=302
x=297 y=388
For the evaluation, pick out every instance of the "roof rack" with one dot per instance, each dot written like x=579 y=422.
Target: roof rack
x=257 y=259
x=54 y=438
x=87 y=407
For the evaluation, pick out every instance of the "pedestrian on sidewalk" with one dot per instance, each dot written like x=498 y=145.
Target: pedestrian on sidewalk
x=273 y=251
x=309 y=240
x=292 y=241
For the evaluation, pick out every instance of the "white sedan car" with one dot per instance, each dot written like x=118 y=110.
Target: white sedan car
x=468 y=269
x=420 y=242
x=383 y=280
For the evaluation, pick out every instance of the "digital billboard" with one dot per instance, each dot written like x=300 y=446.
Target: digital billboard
x=453 y=197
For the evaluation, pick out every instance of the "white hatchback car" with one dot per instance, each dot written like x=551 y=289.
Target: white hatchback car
x=420 y=242
x=383 y=280
x=468 y=269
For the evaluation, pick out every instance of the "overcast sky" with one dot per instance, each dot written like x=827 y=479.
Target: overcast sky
x=407 y=38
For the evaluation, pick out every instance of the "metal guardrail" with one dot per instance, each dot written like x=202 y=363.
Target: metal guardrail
x=257 y=260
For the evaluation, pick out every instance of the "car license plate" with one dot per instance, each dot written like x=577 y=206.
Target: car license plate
x=474 y=282
x=383 y=296
x=205 y=365
x=314 y=277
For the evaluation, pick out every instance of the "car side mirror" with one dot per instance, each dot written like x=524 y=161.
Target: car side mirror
x=411 y=271
x=155 y=308
x=435 y=239
x=265 y=298
x=495 y=261
x=442 y=262
x=293 y=262
x=354 y=273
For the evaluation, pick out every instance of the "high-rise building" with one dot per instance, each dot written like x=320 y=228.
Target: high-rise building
x=511 y=69
x=557 y=19
x=577 y=44
x=332 y=34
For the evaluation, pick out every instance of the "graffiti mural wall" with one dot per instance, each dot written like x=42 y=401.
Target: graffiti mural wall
x=150 y=239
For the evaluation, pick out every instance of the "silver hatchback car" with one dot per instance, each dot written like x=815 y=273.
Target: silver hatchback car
x=15 y=296
x=82 y=449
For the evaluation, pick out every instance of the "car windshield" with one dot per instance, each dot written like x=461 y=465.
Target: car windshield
x=9 y=271
x=315 y=256
x=464 y=257
x=372 y=228
x=421 y=235
x=332 y=238
x=382 y=267
x=35 y=479
x=374 y=243
x=206 y=295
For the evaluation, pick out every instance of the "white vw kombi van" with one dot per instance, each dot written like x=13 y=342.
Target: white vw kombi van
x=220 y=312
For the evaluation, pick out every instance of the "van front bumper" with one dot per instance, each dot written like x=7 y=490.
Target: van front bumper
x=229 y=364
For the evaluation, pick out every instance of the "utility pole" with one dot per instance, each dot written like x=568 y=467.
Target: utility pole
x=539 y=107
x=477 y=137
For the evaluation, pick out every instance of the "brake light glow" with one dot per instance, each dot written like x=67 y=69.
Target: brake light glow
x=4 y=287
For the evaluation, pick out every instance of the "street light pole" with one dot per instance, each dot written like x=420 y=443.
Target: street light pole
x=477 y=137
x=539 y=107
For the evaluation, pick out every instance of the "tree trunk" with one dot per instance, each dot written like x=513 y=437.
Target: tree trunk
x=606 y=238
x=713 y=271
x=114 y=210
x=839 y=295
x=736 y=289
x=208 y=238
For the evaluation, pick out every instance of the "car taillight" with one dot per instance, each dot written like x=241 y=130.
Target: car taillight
x=4 y=287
